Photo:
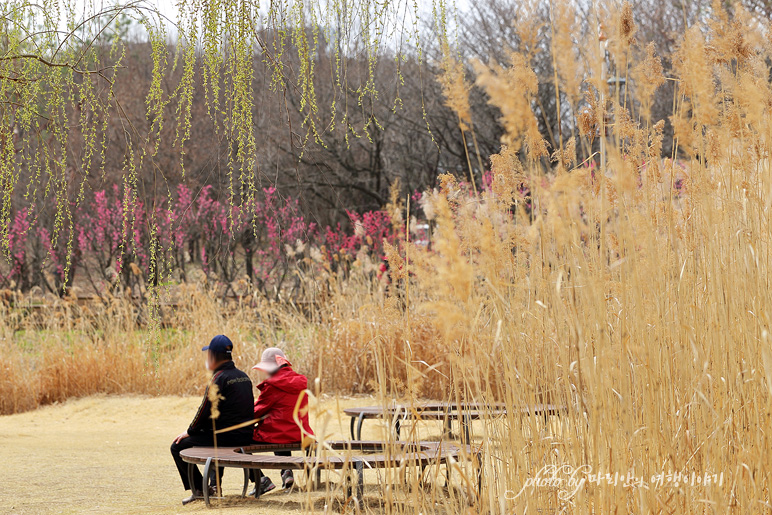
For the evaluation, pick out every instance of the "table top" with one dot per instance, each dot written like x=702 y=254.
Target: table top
x=448 y=410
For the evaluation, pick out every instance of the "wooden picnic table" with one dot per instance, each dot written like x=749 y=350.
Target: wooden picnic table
x=330 y=456
x=446 y=411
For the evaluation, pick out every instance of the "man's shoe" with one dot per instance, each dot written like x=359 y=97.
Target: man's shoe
x=198 y=495
x=287 y=479
x=195 y=496
x=266 y=485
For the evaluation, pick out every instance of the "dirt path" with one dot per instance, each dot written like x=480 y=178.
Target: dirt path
x=111 y=455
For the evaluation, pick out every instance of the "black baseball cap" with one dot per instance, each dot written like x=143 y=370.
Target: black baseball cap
x=220 y=343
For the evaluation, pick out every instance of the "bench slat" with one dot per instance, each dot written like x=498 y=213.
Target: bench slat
x=342 y=455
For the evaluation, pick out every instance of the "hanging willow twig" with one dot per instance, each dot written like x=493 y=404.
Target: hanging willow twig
x=60 y=77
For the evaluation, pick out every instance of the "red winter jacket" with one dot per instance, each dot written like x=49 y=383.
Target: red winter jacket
x=276 y=404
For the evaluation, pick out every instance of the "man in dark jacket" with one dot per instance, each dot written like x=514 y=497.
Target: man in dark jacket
x=235 y=404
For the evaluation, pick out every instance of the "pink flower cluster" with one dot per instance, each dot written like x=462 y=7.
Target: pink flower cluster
x=369 y=229
x=17 y=243
x=119 y=240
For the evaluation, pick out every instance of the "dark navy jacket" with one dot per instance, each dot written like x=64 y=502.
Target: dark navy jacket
x=236 y=406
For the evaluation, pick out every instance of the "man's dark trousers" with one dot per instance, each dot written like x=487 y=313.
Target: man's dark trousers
x=253 y=473
x=201 y=440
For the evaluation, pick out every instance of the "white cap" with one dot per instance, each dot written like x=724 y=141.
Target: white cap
x=272 y=359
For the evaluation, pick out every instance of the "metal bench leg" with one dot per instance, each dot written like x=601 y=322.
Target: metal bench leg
x=309 y=471
x=398 y=422
x=466 y=422
x=246 y=483
x=353 y=421
x=190 y=478
x=360 y=473
x=205 y=485
x=246 y=480
x=479 y=474
x=360 y=470
x=313 y=451
x=360 y=420
x=361 y=478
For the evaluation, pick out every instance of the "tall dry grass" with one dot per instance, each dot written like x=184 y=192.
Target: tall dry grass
x=637 y=294
x=642 y=307
x=65 y=349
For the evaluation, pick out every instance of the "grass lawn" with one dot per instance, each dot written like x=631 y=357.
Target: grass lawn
x=110 y=454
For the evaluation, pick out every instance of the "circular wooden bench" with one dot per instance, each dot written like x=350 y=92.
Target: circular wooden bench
x=465 y=412
x=356 y=455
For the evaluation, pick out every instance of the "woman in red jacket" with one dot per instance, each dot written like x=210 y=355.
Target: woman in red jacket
x=281 y=410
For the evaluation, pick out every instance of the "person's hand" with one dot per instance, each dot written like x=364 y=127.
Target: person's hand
x=181 y=436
